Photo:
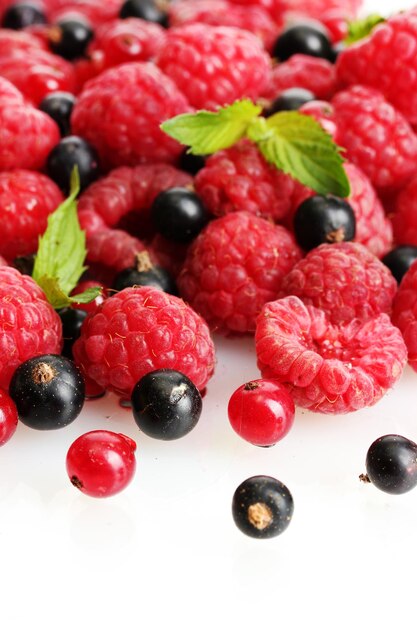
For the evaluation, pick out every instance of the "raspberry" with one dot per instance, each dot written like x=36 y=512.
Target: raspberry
x=318 y=8
x=26 y=200
x=29 y=325
x=239 y=178
x=404 y=313
x=386 y=60
x=120 y=112
x=14 y=40
x=323 y=113
x=404 y=219
x=96 y=11
x=233 y=267
x=215 y=65
x=113 y=249
x=327 y=368
x=170 y=254
x=344 y=280
x=139 y=330
x=312 y=73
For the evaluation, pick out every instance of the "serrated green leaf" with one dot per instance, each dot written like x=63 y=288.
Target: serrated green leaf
x=206 y=132
x=359 y=29
x=298 y=145
x=59 y=299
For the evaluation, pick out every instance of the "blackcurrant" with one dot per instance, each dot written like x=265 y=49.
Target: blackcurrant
x=70 y=37
x=145 y=274
x=48 y=391
x=399 y=260
x=69 y=152
x=179 y=214
x=303 y=38
x=323 y=219
x=72 y=320
x=391 y=464
x=147 y=10
x=262 y=507
x=289 y=100
x=166 y=404
x=22 y=14
x=59 y=105
x=191 y=163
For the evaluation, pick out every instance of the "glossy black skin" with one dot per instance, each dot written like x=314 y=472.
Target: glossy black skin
x=191 y=163
x=146 y=10
x=179 y=214
x=303 y=38
x=399 y=260
x=48 y=405
x=290 y=100
x=263 y=490
x=72 y=320
x=156 y=277
x=59 y=105
x=74 y=37
x=323 y=219
x=391 y=464
x=22 y=14
x=166 y=404
x=69 y=152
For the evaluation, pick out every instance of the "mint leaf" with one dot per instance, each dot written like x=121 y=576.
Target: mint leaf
x=207 y=132
x=359 y=29
x=298 y=145
x=59 y=299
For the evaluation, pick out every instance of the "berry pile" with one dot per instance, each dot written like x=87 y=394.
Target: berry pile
x=245 y=167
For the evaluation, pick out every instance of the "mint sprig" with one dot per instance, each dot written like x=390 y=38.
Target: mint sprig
x=59 y=261
x=359 y=29
x=293 y=142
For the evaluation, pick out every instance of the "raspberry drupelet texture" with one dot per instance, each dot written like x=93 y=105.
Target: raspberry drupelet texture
x=235 y=265
x=113 y=249
x=328 y=368
x=312 y=73
x=404 y=219
x=215 y=65
x=404 y=313
x=139 y=330
x=120 y=112
x=29 y=326
x=344 y=280
x=95 y=11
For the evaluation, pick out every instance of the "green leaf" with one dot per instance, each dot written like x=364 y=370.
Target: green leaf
x=359 y=29
x=59 y=299
x=299 y=146
x=207 y=132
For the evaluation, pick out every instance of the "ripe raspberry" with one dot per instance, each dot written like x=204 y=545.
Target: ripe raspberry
x=404 y=219
x=139 y=330
x=13 y=40
x=96 y=11
x=404 y=313
x=318 y=8
x=239 y=179
x=120 y=112
x=312 y=73
x=29 y=325
x=344 y=280
x=26 y=200
x=215 y=65
x=336 y=22
x=169 y=254
x=3 y=261
x=327 y=368
x=234 y=266
x=113 y=249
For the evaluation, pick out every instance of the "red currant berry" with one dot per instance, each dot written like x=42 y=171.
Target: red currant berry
x=101 y=463
x=8 y=417
x=261 y=412
x=90 y=307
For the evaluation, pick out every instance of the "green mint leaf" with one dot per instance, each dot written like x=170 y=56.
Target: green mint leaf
x=207 y=132
x=359 y=29
x=299 y=146
x=59 y=299
x=86 y=296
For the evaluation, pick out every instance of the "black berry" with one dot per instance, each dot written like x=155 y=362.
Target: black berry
x=72 y=320
x=22 y=14
x=323 y=219
x=191 y=163
x=48 y=391
x=70 y=37
x=59 y=105
x=303 y=38
x=146 y=10
x=145 y=274
x=179 y=214
x=262 y=507
x=399 y=260
x=391 y=464
x=289 y=100
x=166 y=404
x=69 y=152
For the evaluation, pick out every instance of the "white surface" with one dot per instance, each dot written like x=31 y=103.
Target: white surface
x=166 y=550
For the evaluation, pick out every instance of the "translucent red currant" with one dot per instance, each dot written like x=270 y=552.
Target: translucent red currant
x=261 y=412
x=101 y=463
x=8 y=417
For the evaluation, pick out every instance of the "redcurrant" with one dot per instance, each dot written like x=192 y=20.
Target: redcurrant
x=8 y=417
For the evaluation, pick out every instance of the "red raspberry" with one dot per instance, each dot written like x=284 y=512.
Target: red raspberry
x=235 y=265
x=318 y=8
x=14 y=40
x=113 y=249
x=139 y=330
x=327 y=368
x=96 y=11
x=404 y=219
x=307 y=72
x=169 y=254
x=26 y=200
x=120 y=112
x=30 y=326
x=336 y=22
x=239 y=178
x=344 y=280
x=3 y=261
x=215 y=65
x=404 y=313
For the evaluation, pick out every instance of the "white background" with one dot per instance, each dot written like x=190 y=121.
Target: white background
x=166 y=551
